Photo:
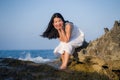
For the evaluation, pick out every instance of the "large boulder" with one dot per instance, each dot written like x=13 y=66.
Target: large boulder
x=103 y=54
x=106 y=48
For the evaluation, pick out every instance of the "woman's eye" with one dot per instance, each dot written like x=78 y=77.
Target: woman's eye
x=60 y=20
x=55 y=21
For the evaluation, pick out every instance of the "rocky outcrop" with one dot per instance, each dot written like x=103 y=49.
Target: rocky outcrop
x=102 y=55
x=12 y=69
x=106 y=47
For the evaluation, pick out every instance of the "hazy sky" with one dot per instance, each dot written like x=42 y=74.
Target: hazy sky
x=22 y=21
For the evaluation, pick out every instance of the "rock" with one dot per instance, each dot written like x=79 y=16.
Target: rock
x=106 y=30
x=103 y=54
x=107 y=47
x=13 y=69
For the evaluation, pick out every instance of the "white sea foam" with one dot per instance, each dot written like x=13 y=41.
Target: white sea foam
x=38 y=59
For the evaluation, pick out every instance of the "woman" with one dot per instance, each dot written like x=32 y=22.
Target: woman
x=69 y=35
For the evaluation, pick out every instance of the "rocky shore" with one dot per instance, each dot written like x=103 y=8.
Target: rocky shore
x=96 y=60
x=12 y=69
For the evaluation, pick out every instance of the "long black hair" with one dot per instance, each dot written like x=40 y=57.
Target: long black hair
x=51 y=32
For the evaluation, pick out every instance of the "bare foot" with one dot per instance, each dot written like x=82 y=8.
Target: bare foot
x=63 y=67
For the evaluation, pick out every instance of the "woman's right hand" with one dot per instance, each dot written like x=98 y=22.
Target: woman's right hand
x=58 y=28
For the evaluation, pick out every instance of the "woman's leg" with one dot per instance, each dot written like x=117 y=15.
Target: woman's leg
x=62 y=58
x=65 y=59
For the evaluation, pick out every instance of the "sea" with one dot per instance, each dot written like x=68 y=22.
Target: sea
x=37 y=56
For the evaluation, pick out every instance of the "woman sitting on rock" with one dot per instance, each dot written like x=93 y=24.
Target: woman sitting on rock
x=69 y=35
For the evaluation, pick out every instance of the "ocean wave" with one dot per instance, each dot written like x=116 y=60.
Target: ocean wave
x=37 y=59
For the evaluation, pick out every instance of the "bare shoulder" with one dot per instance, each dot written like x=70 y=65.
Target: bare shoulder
x=68 y=25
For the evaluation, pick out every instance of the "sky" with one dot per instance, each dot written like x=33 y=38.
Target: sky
x=23 y=21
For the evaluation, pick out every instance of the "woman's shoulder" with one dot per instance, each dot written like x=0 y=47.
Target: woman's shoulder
x=67 y=22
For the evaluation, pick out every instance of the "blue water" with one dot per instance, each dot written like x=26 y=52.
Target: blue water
x=37 y=56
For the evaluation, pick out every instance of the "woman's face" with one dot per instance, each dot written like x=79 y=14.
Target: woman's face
x=57 y=23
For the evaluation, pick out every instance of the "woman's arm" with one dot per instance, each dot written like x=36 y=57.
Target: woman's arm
x=65 y=34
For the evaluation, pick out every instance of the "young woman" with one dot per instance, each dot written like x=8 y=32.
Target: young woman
x=69 y=35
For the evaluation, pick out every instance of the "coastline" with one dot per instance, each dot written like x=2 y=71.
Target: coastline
x=13 y=69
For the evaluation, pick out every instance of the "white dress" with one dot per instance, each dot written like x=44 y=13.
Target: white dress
x=76 y=40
